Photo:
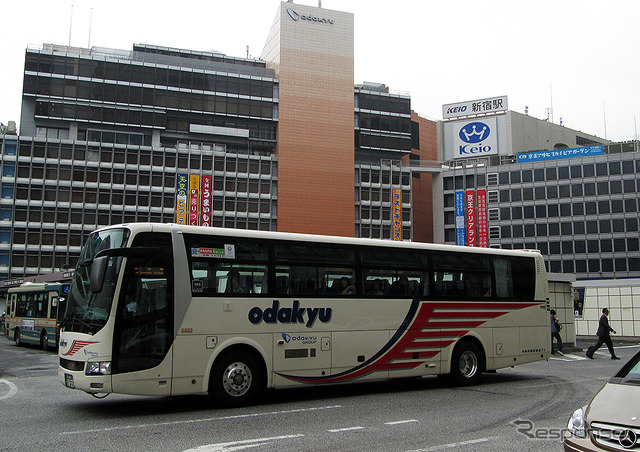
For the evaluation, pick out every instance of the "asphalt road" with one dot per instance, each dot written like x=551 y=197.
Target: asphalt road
x=508 y=411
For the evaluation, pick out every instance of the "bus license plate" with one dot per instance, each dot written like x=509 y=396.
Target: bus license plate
x=68 y=381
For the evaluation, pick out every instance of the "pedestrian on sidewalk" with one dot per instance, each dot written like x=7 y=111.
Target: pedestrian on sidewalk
x=604 y=336
x=555 y=332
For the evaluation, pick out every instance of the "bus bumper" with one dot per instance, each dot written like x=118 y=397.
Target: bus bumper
x=94 y=384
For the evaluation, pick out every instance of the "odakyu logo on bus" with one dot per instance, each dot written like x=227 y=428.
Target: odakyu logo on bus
x=474 y=132
x=294 y=314
x=299 y=338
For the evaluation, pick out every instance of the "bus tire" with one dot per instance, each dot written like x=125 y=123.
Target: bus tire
x=44 y=340
x=236 y=380
x=466 y=364
x=16 y=337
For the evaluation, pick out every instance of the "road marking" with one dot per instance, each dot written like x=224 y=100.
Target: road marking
x=408 y=421
x=194 y=421
x=346 y=429
x=456 y=445
x=13 y=389
x=568 y=357
x=240 y=445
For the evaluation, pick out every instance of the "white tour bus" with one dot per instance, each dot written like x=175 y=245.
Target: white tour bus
x=163 y=309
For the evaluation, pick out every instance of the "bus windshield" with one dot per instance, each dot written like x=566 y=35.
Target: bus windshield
x=86 y=311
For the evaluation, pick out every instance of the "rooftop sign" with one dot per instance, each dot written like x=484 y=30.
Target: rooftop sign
x=474 y=107
x=296 y=16
x=560 y=154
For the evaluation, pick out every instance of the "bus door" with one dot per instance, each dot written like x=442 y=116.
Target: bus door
x=144 y=328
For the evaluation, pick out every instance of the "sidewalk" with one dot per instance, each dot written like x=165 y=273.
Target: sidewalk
x=584 y=342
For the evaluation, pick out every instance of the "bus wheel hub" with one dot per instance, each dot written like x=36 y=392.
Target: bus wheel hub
x=237 y=379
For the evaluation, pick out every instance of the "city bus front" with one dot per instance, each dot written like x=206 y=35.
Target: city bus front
x=117 y=326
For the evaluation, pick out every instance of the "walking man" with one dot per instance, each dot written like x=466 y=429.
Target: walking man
x=604 y=336
x=555 y=332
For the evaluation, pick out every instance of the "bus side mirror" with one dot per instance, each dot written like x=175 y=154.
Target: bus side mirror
x=98 y=271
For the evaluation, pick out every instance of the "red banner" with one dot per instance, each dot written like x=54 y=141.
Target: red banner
x=470 y=209
x=483 y=237
x=205 y=205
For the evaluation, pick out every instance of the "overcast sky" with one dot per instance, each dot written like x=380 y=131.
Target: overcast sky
x=579 y=57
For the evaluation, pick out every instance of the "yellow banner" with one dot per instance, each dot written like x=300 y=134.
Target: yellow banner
x=194 y=199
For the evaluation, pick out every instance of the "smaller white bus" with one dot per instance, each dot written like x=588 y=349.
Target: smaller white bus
x=160 y=309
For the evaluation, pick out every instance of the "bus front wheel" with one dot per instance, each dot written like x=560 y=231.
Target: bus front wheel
x=466 y=364
x=236 y=380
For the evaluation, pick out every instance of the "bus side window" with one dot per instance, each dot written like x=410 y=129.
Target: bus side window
x=42 y=305
x=477 y=284
x=282 y=284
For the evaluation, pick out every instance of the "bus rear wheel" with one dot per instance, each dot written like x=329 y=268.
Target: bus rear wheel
x=466 y=364
x=236 y=380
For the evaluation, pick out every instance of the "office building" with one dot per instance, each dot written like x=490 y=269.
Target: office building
x=517 y=182
x=286 y=142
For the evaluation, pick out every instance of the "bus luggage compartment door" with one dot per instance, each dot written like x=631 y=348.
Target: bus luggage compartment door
x=302 y=354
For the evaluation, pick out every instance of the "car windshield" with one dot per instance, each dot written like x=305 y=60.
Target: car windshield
x=88 y=312
x=630 y=373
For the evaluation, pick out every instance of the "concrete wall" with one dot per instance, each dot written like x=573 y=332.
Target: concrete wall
x=622 y=297
x=561 y=300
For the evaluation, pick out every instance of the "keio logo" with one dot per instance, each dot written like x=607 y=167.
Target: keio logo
x=474 y=132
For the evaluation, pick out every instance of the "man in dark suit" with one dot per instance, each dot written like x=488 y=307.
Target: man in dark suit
x=604 y=336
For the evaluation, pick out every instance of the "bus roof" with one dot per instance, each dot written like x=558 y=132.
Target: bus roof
x=297 y=237
x=36 y=286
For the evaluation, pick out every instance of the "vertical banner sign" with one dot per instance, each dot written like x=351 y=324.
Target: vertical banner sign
x=194 y=199
x=460 y=224
x=483 y=237
x=205 y=206
x=396 y=209
x=470 y=208
x=181 y=198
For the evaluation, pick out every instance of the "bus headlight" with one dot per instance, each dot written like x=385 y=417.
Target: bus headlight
x=577 y=424
x=98 y=368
